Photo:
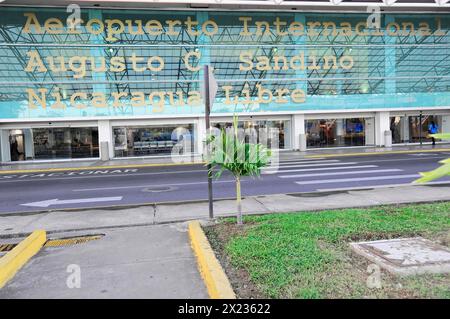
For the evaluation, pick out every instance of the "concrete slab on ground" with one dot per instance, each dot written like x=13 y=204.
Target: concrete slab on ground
x=312 y=201
x=79 y=219
x=404 y=194
x=136 y=262
x=200 y=210
x=16 y=224
x=406 y=256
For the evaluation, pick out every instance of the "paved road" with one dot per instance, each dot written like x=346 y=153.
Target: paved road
x=109 y=187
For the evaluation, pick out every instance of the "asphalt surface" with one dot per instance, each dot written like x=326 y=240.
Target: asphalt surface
x=31 y=192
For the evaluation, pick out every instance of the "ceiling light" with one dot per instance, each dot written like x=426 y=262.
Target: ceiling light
x=364 y=88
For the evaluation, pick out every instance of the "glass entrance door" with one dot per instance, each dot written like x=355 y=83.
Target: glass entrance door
x=415 y=128
x=420 y=127
x=17 y=145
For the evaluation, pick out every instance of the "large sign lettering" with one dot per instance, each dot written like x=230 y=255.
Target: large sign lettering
x=299 y=57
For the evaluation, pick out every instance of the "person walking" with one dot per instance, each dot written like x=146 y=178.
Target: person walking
x=433 y=128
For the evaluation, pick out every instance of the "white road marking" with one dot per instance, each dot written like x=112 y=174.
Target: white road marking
x=283 y=164
x=323 y=169
x=301 y=160
x=361 y=179
x=343 y=173
x=2 y=181
x=378 y=186
x=401 y=159
x=55 y=201
x=315 y=165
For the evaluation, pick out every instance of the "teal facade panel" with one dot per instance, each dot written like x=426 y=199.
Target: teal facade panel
x=149 y=63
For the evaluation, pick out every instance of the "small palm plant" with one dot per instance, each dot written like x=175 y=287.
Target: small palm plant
x=229 y=152
x=439 y=172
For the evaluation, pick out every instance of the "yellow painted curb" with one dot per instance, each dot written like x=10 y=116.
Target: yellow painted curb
x=379 y=153
x=215 y=279
x=85 y=168
x=18 y=257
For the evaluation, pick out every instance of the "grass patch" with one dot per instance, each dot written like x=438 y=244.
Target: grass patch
x=306 y=255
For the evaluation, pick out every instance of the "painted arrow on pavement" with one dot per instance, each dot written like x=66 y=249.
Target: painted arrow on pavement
x=55 y=201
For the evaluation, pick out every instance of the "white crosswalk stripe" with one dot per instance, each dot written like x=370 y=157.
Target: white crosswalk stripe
x=284 y=164
x=360 y=179
x=342 y=173
x=320 y=169
x=372 y=187
x=315 y=165
x=315 y=170
x=302 y=160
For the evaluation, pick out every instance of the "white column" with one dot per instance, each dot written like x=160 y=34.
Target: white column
x=29 y=144
x=200 y=135
x=445 y=124
x=370 y=131
x=105 y=135
x=382 y=124
x=4 y=145
x=297 y=128
x=405 y=128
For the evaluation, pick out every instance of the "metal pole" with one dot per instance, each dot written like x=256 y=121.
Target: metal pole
x=207 y=124
x=420 y=127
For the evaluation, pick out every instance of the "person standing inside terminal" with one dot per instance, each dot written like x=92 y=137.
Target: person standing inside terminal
x=15 y=154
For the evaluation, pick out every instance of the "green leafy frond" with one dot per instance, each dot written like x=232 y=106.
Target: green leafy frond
x=230 y=152
x=444 y=136
x=439 y=172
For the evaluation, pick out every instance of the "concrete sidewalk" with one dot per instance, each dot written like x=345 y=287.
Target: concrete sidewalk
x=72 y=220
x=154 y=260
x=284 y=155
x=142 y=262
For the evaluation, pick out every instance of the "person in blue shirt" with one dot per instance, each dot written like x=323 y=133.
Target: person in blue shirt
x=433 y=128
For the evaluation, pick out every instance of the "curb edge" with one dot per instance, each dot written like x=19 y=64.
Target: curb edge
x=212 y=273
x=15 y=259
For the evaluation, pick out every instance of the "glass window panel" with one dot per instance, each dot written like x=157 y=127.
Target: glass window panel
x=153 y=140
x=65 y=143
x=338 y=132
x=278 y=130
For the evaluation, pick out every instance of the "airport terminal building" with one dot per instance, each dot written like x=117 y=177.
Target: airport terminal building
x=120 y=79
